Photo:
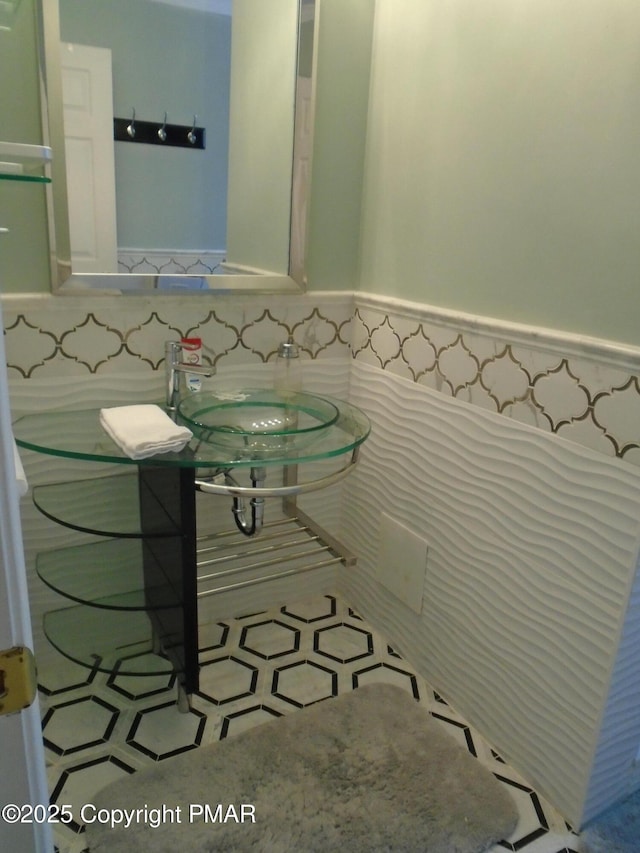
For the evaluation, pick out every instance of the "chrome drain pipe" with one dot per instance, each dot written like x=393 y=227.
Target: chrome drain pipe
x=252 y=528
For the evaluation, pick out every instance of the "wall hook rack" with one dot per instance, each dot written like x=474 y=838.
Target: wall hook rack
x=162 y=133
x=191 y=136
x=131 y=128
x=159 y=133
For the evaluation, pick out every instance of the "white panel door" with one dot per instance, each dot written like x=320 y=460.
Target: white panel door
x=88 y=128
x=23 y=778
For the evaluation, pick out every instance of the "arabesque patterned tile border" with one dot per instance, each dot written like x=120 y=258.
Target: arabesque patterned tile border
x=589 y=393
x=152 y=262
x=584 y=391
x=131 y=335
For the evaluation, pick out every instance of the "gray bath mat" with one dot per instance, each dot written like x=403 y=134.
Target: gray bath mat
x=369 y=771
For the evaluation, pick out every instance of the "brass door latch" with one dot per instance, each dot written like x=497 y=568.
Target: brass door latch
x=18 y=683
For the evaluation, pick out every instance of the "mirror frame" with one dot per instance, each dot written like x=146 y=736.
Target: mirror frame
x=64 y=280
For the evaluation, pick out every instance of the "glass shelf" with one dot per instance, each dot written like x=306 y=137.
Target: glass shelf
x=78 y=435
x=21 y=162
x=105 y=506
x=33 y=179
x=8 y=11
x=107 y=575
x=110 y=641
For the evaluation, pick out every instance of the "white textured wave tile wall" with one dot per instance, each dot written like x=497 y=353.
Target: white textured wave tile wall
x=533 y=548
x=612 y=776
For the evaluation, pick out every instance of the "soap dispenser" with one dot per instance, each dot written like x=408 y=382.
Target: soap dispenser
x=288 y=370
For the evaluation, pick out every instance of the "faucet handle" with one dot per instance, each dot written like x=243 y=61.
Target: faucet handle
x=172 y=351
x=172 y=348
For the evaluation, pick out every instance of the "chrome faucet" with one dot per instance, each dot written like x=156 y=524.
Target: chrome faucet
x=173 y=368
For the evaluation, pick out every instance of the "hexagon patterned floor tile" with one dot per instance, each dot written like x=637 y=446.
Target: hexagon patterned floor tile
x=212 y=636
x=78 y=724
x=226 y=679
x=57 y=676
x=311 y=609
x=459 y=730
x=247 y=718
x=252 y=670
x=304 y=683
x=269 y=639
x=77 y=783
x=142 y=686
x=162 y=731
x=343 y=642
x=389 y=674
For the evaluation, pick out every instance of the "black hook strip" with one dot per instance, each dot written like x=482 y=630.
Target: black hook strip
x=177 y=135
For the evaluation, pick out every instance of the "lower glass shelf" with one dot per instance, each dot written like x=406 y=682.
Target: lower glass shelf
x=106 y=506
x=115 y=642
x=108 y=575
x=5 y=175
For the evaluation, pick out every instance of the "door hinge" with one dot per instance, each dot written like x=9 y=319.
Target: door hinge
x=18 y=683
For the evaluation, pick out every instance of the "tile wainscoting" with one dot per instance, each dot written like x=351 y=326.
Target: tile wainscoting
x=525 y=610
x=509 y=604
x=582 y=389
x=96 y=335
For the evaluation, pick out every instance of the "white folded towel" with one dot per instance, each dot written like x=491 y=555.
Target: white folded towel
x=21 y=480
x=143 y=430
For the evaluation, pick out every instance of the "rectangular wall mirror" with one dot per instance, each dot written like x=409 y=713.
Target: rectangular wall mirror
x=204 y=187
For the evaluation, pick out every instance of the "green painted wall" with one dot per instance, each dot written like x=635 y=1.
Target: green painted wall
x=24 y=252
x=503 y=165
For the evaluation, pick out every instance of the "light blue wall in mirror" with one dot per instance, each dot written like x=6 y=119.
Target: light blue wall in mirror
x=263 y=92
x=342 y=97
x=173 y=60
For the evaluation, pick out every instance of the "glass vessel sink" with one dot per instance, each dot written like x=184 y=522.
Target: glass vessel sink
x=257 y=419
